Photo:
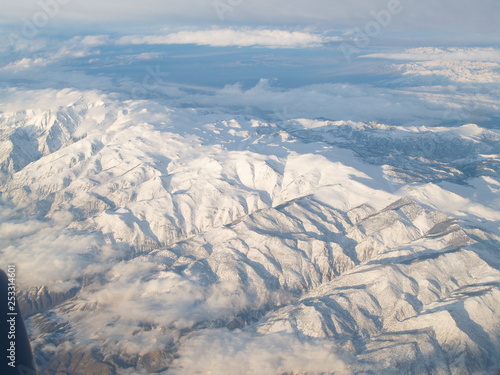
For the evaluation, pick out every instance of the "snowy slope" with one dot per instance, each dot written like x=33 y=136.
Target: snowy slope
x=146 y=235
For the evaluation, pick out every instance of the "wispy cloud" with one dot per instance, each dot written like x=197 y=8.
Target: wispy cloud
x=75 y=47
x=26 y=63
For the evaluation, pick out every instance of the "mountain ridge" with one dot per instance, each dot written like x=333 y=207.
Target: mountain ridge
x=144 y=233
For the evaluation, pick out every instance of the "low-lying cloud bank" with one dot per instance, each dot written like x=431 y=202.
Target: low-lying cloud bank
x=50 y=254
x=489 y=54
x=230 y=37
x=225 y=352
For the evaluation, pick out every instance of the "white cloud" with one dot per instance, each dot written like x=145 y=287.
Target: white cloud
x=489 y=54
x=231 y=37
x=224 y=352
x=95 y=40
x=454 y=71
x=12 y=231
x=75 y=47
x=48 y=254
x=12 y=100
x=26 y=63
x=430 y=66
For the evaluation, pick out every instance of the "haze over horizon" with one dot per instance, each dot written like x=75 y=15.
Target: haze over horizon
x=462 y=19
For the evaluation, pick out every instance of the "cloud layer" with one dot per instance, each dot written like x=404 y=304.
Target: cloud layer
x=489 y=54
x=49 y=254
x=230 y=37
x=224 y=352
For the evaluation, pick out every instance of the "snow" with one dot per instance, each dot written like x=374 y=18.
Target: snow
x=166 y=230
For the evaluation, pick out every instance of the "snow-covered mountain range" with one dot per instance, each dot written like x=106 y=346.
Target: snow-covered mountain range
x=165 y=240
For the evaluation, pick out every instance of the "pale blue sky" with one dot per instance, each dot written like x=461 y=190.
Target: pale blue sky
x=460 y=20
